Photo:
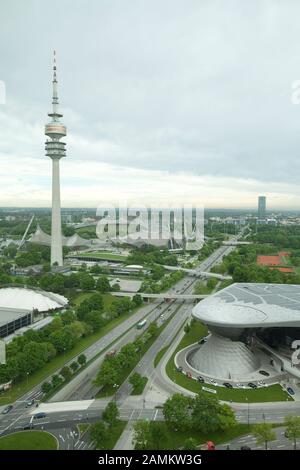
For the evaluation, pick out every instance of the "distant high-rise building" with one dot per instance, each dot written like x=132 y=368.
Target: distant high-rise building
x=55 y=149
x=261 y=207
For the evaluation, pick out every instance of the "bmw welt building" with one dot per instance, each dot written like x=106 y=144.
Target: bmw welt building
x=252 y=327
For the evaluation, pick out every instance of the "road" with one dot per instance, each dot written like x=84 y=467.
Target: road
x=81 y=387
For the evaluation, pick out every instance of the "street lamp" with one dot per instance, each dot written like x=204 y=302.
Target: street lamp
x=115 y=396
x=27 y=374
x=248 y=412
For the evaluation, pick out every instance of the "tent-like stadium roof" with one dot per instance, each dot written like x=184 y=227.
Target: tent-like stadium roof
x=29 y=299
x=245 y=305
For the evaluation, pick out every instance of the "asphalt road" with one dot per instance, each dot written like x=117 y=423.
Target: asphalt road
x=63 y=423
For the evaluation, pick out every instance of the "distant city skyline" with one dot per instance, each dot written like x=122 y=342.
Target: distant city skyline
x=180 y=101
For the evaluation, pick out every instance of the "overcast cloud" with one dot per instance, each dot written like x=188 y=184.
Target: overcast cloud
x=165 y=99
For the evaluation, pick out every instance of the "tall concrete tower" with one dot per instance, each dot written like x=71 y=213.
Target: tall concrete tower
x=55 y=149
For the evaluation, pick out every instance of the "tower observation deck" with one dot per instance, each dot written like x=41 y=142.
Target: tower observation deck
x=55 y=149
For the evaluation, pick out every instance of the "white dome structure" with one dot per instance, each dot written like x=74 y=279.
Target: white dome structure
x=29 y=299
x=223 y=358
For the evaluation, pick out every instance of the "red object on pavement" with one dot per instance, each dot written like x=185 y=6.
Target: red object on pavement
x=210 y=445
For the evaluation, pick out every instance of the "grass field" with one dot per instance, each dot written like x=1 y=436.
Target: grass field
x=107 y=298
x=22 y=387
x=174 y=440
x=28 y=440
x=265 y=394
x=103 y=255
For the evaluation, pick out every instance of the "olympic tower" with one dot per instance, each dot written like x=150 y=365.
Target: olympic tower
x=55 y=149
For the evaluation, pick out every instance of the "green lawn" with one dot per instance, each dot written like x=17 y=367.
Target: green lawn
x=175 y=439
x=139 y=390
x=22 y=387
x=103 y=255
x=160 y=354
x=107 y=298
x=265 y=394
x=28 y=440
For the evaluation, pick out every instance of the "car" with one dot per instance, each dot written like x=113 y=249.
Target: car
x=290 y=391
x=202 y=341
x=239 y=385
x=245 y=448
x=39 y=415
x=263 y=372
x=252 y=385
x=7 y=409
x=179 y=369
x=261 y=383
x=28 y=426
x=30 y=403
x=286 y=434
x=212 y=381
x=227 y=385
x=200 y=379
x=111 y=353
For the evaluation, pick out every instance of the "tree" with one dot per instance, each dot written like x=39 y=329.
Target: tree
x=111 y=414
x=36 y=355
x=141 y=435
x=63 y=340
x=74 y=366
x=68 y=317
x=108 y=373
x=46 y=387
x=176 y=411
x=99 y=435
x=293 y=428
x=95 y=320
x=190 y=444
x=264 y=433
x=158 y=436
x=208 y=412
x=137 y=300
x=127 y=355
x=81 y=360
x=102 y=284
x=152 y=330
x=66 y=373
x=136 y=380
x=87 y=282
x=56 y=380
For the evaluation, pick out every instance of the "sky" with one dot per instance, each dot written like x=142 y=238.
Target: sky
x=174 y=101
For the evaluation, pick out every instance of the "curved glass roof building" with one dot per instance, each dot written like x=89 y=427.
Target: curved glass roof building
x=247 y=322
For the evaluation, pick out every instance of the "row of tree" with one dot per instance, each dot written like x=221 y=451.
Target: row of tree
x=31 y=351
x=114 y=368
x=152 y=286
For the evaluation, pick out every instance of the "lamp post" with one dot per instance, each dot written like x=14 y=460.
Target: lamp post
x=115 y=386
x=27 y=374
x=248 y=411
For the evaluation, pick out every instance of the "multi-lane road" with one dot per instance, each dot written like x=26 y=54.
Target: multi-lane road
x=62 y=420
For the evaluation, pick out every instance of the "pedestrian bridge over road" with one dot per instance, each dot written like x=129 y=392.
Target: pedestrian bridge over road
x=198 y=273
x=163 y=296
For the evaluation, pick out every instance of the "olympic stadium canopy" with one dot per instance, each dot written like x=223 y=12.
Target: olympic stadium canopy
x=29 y=299
x=245 y=305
